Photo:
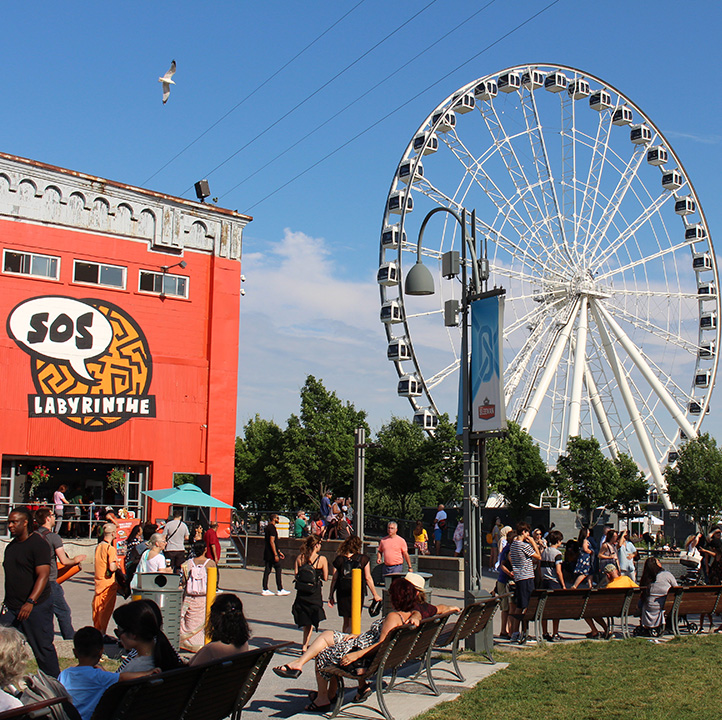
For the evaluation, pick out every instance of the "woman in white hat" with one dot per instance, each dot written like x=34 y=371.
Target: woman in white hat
x=425 y=609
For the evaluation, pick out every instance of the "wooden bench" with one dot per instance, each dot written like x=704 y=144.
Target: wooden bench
x=404 y=643
x=210 y=691
x=580 y=604
x=692 y=599
x=473 y=619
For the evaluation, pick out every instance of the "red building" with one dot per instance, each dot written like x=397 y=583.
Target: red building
x=119 y=340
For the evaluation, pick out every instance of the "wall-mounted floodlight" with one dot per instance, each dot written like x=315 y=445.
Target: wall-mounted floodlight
x=202 y=190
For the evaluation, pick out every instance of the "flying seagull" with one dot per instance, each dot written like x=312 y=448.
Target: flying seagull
x=167 y=81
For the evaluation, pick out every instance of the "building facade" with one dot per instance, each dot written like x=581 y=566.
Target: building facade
x=119 y=342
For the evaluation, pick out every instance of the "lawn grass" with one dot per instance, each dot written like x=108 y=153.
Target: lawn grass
x=597 y=680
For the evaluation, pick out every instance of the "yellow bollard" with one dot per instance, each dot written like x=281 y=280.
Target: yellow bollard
x=356 y=585
x=211 y=590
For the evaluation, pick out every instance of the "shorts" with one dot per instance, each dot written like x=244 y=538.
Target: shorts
x=501 y=589
x=388 y=569
x=437 y=534
x=522 y=592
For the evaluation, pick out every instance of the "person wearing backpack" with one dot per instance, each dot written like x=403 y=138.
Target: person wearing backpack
x=311 y=571
x=349 y=557
x=194 y=572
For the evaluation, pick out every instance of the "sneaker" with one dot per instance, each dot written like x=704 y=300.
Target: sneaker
x=556 y=637
x=529 y=640
x=514 y=637
x=282 y=592
x=548 y=637
x=267 y=592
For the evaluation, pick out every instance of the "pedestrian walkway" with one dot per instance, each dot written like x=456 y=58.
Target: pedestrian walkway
x=271 y=622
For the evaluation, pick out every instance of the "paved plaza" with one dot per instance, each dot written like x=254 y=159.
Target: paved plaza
x=271 y=622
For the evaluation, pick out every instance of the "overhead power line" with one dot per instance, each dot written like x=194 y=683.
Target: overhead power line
x=358 y=98
x=254 y=91
x=402 y=105
x=315 y=92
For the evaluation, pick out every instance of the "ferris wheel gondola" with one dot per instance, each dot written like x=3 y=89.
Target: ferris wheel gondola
x=595 y=230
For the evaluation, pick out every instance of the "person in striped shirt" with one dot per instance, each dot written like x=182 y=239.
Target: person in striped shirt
x=522 y=553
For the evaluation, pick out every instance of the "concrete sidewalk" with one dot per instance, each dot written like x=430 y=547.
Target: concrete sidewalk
x=271 y=622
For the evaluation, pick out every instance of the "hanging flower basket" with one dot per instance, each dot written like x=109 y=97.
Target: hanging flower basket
x=37 y=476
x=116 y=479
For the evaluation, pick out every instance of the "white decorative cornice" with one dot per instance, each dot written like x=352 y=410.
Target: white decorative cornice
x=42 y=193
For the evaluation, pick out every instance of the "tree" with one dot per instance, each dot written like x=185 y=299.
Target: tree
x=516 y=469
x=695 y=482
x=318 y=451
x=586 y=477
x=632 y=486
x=257 y=463
x=408 y=469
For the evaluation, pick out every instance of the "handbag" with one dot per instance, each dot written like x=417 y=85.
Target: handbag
x=7 y=616
x=375 y=607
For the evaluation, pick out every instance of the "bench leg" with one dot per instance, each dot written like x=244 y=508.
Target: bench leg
x=380 y=697
x=340 y=691
x=455 y=661
x=432 y=684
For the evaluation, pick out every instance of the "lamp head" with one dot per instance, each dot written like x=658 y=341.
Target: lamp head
x=419 y=280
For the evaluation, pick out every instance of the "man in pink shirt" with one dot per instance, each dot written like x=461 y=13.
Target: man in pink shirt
x=393 y=551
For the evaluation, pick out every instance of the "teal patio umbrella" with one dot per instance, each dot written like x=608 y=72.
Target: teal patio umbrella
x=189 y=495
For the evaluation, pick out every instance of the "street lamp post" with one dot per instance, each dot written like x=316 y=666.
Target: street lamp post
x=420 y=282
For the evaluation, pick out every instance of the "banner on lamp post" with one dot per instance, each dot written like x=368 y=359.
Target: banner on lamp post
x=488 y=410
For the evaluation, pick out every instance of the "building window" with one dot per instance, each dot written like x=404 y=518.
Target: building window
x=163 y=283
x=99 y=274
x=24 y=263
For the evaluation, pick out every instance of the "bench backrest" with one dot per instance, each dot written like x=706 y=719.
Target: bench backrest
x=428 y=631
x=32 y=710
x=211 y=691
x=474 y=618
x=698 y=598
x=562 y=604
x=608 y=602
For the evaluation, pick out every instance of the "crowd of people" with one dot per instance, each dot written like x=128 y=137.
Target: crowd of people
x=523 y=558
x=527 y=559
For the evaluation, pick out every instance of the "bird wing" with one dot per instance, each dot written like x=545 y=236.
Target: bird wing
x=166 y=92
x=171 y=71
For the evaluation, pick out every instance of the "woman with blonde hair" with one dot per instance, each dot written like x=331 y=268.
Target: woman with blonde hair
x=349 y=557
x=311 y=571
x=14 y=657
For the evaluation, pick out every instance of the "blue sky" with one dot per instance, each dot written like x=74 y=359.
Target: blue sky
x=80 y=90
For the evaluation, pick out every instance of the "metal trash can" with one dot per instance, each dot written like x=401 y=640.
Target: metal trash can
x=163 y=589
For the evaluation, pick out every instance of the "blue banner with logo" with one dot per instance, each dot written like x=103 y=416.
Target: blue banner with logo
x=488 y=410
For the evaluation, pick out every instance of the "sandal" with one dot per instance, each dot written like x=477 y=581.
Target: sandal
x=287 y=672
x=361 y=695
x=312 y=707
x=593 y=635
x=313 y=694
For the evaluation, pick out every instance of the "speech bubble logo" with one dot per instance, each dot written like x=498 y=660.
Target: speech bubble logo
x=61 y=328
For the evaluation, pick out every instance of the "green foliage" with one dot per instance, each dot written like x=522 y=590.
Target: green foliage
x=695 y=482
x=258 y=463
x=516 y=469
x=586 y=477
x=632 y=487
x=291 y=468
x=409 y=469
x=184 y=479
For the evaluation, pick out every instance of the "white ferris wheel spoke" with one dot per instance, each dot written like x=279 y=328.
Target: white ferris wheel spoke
x=599 y=411
x=632 y=410
x=541 y=162
x=631 y=349
x=580 y=362
x=646 y=260
x=631 y=229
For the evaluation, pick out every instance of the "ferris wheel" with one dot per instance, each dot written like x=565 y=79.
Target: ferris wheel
x=594 y=229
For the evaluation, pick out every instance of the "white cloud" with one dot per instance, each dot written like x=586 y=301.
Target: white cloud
x=299 y=317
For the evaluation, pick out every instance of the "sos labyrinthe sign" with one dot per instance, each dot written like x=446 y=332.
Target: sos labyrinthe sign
x=90 y=361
